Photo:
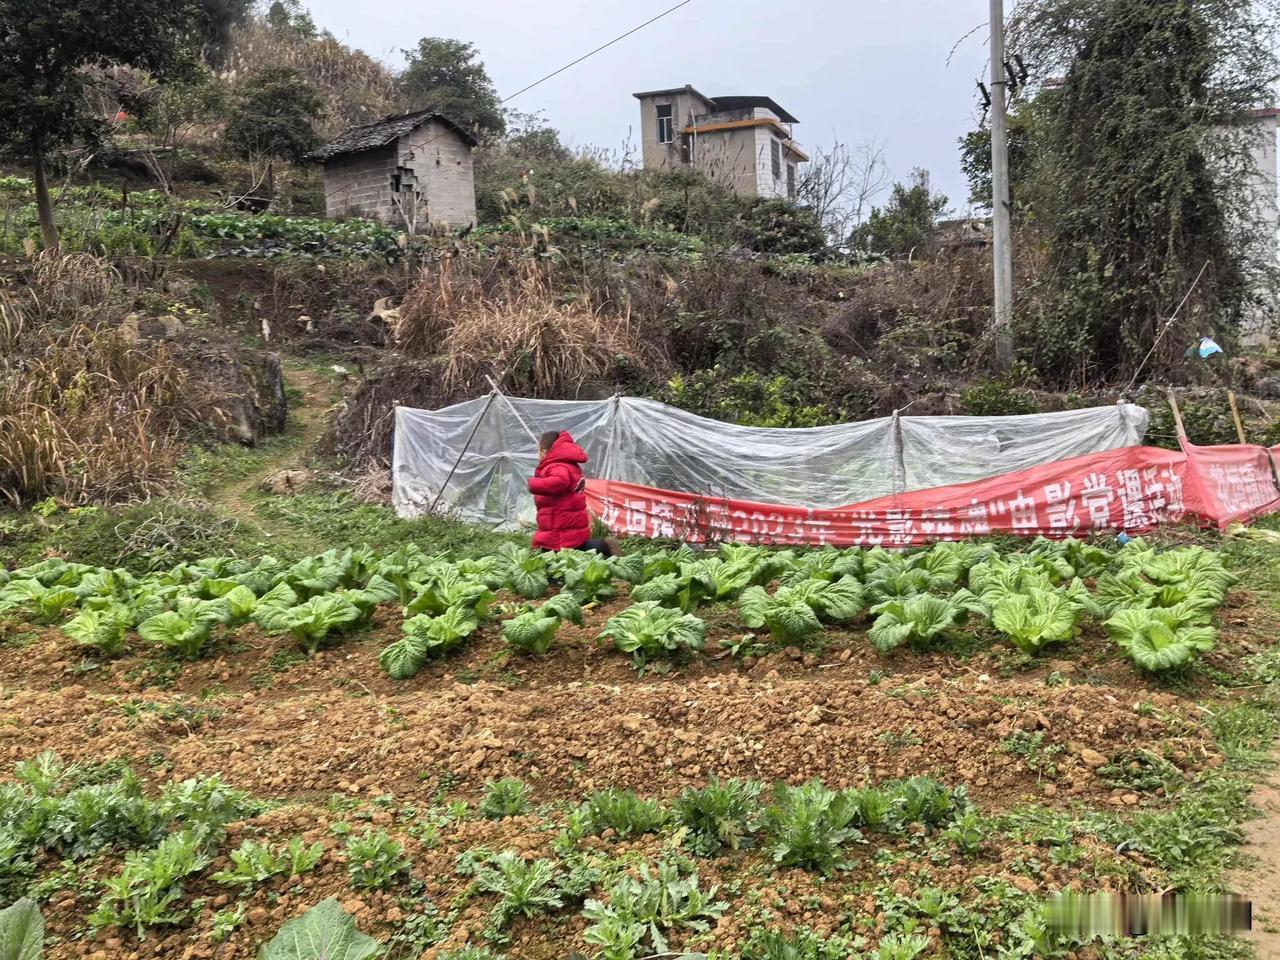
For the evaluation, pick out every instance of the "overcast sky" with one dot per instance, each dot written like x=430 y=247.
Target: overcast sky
x=853 y=70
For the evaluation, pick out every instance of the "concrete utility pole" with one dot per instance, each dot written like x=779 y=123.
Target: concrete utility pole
x=1002 y=249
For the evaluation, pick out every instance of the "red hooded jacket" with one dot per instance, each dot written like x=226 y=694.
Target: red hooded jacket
x=563 y=522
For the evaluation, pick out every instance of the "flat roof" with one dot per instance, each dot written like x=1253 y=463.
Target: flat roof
x=687 y=88
x=723 y=103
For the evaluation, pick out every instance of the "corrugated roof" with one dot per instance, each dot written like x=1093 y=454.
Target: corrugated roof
x=743 y=103
x=379 y=133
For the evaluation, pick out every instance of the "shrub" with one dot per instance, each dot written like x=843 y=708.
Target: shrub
x=90 y=417
x=997 y=398
x=545 y=345
x=140 y=538
x=749 y=398
x=906 y=223
x=776 y=226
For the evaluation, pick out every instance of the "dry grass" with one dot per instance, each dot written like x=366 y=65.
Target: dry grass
x=363 y=430
x=356 y=87
x=13 y=323
x=516 y=330
x=75 y=286
x=86 y=415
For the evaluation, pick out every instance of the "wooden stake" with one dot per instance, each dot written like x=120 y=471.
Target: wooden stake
x=1235 y=415
x=1177 y=415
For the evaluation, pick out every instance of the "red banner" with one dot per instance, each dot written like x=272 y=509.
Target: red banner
x=1131 y=489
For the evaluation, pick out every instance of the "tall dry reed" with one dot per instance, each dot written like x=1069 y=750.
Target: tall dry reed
x=86 y=415
x=518 y=329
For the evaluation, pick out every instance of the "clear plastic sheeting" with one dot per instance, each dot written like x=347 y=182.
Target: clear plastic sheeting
x=473 y=458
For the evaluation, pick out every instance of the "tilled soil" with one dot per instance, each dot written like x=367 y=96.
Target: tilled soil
x=580 y=719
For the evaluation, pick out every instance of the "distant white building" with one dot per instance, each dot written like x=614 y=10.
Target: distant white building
x=744 y=143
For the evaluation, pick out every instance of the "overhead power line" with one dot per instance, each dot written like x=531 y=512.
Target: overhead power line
x=605 y=46
x=573 y=63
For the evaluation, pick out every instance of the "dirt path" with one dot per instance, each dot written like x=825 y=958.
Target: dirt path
x=1260 y=880
x=308 y=420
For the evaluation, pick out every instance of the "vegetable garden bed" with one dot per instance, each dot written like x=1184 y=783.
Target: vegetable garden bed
x=735 y=753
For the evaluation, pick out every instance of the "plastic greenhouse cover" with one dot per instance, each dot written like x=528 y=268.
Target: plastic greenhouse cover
x=474 y=458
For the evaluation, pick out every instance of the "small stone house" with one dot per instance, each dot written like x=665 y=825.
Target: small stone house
x=412 y=171
x=743 y=142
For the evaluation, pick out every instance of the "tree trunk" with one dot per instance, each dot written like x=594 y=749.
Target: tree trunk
x=44 y=207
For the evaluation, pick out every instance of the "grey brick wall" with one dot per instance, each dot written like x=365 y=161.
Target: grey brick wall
x=432 y=164
x=443 y=165
x=359 y=185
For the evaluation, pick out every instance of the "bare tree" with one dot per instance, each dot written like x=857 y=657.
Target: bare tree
x=841 y=183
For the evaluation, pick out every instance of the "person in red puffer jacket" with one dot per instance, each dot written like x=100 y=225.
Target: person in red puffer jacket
x=558 y=490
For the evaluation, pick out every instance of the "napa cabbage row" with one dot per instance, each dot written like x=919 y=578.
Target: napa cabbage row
x=311 y=600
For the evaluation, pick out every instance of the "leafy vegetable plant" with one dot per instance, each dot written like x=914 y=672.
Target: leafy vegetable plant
x=508 y=797
x=254 y=862
x=21 y=931
x=426 y=637
x=374 y=860
x=46 y=603
x=325 y=932
x=103 y=630
x=721 y=814
x=650 y=905
x=184 y=635
x=1039 y=617
x=794 y=612
x=808 y=826
x=788 y=614
x=649 y=632
x=449 y=589
x=919 y=619
x=148 y=890
x=526 y=571
x=526 y=887
x=533 y=632
x=590 y=579
x=623 y=812
x=1156 y=639
x=310 y=622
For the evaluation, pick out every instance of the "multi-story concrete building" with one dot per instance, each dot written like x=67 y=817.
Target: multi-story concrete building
x=745 y=143
x=412 y=171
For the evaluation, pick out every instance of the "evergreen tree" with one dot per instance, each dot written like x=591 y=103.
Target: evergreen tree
x=45 y=45
x=907 y=222
x=448 y=76
x=274 y=116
